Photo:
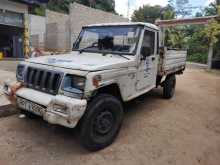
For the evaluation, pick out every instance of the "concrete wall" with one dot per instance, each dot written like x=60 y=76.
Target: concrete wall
x=37 y=26
x=62 y=30
x=57 y=31
x=81 y=15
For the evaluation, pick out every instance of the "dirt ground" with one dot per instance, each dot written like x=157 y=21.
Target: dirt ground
x=4 y=76
x=182 y=131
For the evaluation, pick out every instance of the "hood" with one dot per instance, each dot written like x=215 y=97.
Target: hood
x=85 y=61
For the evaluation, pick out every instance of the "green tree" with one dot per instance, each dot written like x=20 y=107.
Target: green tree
x=212 y=32
x=59 y=5
x=147 y=13
x=198 y=14
x=211 y=10
x=106 y=5
x=63 y=5
x=196 y=44
x=175 y=38
x=168 y=13
x=37 y=10
x=180 y=7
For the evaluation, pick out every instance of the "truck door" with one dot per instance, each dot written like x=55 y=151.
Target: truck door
x=147 y=66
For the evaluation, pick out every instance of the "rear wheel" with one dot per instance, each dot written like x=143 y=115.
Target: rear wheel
x=169 y=86
x=101 y=123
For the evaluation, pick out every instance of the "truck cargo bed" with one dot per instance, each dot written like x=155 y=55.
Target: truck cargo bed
x=172 y=61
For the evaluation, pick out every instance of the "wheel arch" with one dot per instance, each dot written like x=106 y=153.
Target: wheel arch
x=112 y=89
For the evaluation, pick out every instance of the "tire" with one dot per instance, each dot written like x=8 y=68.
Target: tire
x=169 y=86
x=28 y=114
x=101 y=122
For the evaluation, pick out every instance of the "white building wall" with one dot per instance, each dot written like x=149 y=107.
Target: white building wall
x=13 y=6
x=37 y=30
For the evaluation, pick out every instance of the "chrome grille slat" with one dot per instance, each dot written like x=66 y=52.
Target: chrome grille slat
x=47 y=81
x=51 y=82
x=37 y=79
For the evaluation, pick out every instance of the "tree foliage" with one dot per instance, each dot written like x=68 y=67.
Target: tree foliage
x=212 y=32
x=211 y=10
x=196 y=44
x=175 y=38
x=147 y=13
x=168 y=13
x=195 y=38
x=63 y=5
x=38 y=10
x=182 y=8
x=59 y=5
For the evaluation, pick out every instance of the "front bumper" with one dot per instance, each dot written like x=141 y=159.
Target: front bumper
x=59 y=109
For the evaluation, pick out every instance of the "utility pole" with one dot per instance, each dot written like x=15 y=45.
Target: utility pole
x=128 y=11
x=218 y=6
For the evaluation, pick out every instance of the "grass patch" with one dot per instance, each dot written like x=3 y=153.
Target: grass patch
x=198 y=58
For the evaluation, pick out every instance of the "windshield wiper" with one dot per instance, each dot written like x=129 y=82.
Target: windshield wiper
x=104 y=53
x=122 y=56
x=83 y=49
x=90 y=46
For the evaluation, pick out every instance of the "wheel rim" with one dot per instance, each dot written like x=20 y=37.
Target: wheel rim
x=103 y=122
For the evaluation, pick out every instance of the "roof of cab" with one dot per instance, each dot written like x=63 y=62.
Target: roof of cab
x=152 y=26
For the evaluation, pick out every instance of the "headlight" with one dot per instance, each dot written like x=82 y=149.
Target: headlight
x=73 y=84
x=20 y=72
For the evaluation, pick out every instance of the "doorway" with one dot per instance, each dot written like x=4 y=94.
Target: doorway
x=11 y=41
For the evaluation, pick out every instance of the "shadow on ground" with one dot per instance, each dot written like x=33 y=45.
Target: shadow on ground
x=8 y=110
x=61 y=140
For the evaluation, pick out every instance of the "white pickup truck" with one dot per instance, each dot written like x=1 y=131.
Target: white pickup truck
x=110 y=64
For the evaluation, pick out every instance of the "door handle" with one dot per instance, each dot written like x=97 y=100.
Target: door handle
x=153 y=58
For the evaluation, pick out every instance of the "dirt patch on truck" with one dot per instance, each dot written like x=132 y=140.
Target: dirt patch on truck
x=183 y=130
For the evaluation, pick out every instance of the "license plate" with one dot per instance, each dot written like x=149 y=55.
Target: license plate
x=30 y=106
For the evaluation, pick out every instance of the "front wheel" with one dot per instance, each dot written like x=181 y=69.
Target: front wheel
x=169 y=86
x=101 y=123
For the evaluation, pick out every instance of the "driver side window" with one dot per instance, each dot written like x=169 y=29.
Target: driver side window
x=148 y=43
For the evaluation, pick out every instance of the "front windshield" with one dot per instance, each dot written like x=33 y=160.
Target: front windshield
x=111 y=39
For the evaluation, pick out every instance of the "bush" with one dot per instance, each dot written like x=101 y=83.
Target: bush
x=198 y=57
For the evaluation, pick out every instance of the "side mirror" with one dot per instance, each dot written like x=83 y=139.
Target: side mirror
x=145 y=51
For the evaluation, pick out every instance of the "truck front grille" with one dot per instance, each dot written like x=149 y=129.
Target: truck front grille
x=43 y=80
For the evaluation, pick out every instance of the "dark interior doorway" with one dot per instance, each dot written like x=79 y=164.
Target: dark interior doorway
x=11 y=41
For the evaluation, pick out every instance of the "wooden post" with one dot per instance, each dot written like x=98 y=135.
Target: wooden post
x=26 y=37
x=162 y=36
x=210 y=55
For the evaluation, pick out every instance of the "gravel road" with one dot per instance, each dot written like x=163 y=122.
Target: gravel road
x=182 y=131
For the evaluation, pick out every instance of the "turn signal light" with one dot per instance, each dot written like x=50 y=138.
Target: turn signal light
x=96 y=80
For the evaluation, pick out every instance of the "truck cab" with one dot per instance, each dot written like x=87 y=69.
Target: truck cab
x=109 y=64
